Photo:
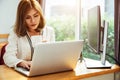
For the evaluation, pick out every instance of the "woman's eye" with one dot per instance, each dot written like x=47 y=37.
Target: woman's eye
x=27 y=17
x=36 y=15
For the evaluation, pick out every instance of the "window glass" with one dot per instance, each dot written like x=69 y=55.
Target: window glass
x=61 y=15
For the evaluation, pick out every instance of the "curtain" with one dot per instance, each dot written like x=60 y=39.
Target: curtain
x=117 y=30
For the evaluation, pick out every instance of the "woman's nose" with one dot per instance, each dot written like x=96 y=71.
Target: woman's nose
x=32 y=19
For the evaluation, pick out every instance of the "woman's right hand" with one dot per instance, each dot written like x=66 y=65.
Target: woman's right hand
x=25 y=64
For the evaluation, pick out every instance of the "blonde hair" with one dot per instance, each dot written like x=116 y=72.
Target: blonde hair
x=20 y=26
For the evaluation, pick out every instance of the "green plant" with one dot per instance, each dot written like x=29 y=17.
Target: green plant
x=64 y=27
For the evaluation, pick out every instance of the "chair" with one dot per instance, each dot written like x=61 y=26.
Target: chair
x=3 y=43
x=2 y=53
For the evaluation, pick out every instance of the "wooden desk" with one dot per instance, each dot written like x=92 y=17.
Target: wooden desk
x=80 y=73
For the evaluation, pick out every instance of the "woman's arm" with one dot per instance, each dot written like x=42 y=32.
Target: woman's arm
x=10 y=57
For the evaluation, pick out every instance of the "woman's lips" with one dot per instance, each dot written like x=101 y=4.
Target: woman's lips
x=33 y=25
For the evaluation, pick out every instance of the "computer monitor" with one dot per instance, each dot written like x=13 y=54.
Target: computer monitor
x=97 y=38
x=93 y=29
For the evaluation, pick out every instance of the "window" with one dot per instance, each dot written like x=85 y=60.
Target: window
x=62 y=16
x=69 y=20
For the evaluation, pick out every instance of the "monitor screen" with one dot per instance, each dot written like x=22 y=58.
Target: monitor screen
x=93 y=28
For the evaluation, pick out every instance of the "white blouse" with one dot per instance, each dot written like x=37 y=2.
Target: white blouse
x=18 y=48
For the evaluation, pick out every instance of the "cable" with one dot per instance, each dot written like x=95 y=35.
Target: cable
x=109 y=56
x=113 y=59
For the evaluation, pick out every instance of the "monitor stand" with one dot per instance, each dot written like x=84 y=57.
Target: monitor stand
x=96 y=64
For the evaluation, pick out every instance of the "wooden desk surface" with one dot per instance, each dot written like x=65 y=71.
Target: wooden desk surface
x=80 y=72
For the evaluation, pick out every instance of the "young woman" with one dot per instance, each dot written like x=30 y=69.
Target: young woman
x=29 y=29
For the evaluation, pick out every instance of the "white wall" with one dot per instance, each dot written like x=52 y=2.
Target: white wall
x=7 y=14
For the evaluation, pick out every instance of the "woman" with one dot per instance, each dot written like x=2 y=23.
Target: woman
x=29 y=29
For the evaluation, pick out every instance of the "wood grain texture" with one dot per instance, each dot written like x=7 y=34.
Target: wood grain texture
x=80 y=73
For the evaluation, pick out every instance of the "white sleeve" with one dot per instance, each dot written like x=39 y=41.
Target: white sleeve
x=10 y=57
x=51 y=33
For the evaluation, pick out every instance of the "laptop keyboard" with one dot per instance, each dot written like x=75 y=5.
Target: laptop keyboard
x=22 y=70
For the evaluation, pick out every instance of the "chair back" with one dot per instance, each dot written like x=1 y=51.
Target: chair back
x=3 y=43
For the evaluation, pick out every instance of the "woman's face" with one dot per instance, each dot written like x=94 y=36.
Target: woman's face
x=32 y=19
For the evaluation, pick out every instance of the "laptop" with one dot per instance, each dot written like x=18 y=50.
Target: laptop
x=54 y=57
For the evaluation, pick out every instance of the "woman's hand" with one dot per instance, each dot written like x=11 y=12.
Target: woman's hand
x=25 y=64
